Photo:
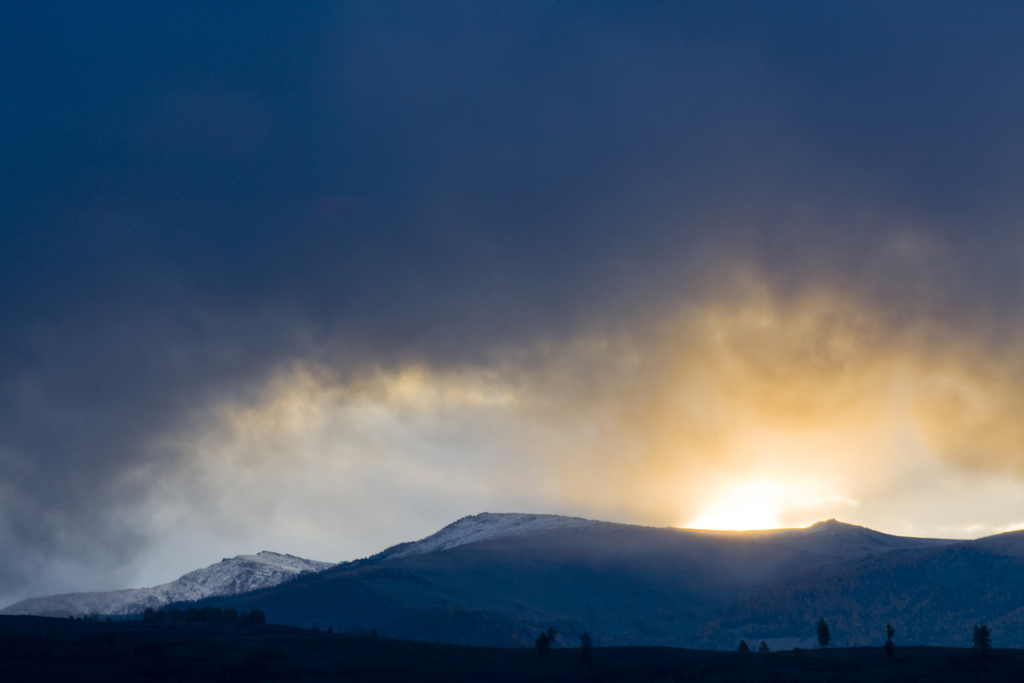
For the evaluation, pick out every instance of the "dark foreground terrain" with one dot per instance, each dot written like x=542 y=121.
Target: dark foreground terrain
x=42 y=649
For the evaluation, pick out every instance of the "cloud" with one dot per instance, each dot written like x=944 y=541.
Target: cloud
x=822 y=399
x=380 y=265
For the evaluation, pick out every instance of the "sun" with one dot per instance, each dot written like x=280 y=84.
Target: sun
x=754 y=505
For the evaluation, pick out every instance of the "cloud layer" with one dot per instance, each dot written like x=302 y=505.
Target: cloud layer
x=818 y=404
x=326 y=278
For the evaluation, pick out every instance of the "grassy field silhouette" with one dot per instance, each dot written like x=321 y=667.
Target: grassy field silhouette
x=44 y=649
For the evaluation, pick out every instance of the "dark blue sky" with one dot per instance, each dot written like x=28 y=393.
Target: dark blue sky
x=192 y=197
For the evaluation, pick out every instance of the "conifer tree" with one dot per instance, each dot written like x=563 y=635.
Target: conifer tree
x=586 y=649
x=543 y=644
x=744 y=647
x=763 y=647
x=824 y=637
x=982 y=639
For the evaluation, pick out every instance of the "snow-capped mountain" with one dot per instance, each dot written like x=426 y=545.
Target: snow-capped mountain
x=230 y=576
x=486 y=526
x=499 y=579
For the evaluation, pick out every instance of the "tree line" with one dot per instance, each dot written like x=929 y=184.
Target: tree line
x=227 y=615
x=982 y=638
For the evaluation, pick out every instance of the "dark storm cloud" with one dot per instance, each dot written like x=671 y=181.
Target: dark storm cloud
x=191 y=196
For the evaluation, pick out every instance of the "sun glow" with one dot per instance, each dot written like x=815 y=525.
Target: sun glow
x=751 y=506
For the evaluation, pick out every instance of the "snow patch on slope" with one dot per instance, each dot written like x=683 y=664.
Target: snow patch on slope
x=487 y=526
x=230 y=576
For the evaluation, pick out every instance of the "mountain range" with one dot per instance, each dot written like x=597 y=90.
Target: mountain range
x=230 y=576
x=499 y=579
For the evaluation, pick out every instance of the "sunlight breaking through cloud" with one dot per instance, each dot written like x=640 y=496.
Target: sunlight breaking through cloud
x=741 y=413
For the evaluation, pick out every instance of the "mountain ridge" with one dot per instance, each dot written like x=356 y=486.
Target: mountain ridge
x=230 y=576
x=484 y=526
x=496 y=578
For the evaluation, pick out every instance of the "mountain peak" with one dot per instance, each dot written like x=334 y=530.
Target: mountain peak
x=230 y=576
x=851 y=541
x=832 y=524
x=486 y=526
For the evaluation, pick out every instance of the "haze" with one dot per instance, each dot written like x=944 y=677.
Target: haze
x=323 y=278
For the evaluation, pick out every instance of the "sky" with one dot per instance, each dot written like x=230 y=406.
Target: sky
x=319 y=278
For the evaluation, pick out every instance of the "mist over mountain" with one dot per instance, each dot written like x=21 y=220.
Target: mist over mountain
x=230 y=576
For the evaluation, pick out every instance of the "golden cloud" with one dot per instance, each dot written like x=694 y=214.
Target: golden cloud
x=829 y=401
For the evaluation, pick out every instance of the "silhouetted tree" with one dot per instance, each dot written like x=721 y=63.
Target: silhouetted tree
x=543 y=644
x=744 y=647
x=763 y=647
x=586 y=649
x=889 y=633
x=149 y=614
x=551 y=635
x=257 y=616
x=982 y=639
x=824 y=637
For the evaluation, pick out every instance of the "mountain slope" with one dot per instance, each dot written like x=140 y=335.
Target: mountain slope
x=483 y=527
x=848 y=541
x=510 y=575
x=932 y=597
x=231 y=576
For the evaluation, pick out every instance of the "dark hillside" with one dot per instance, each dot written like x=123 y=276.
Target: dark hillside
x=930 y=596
